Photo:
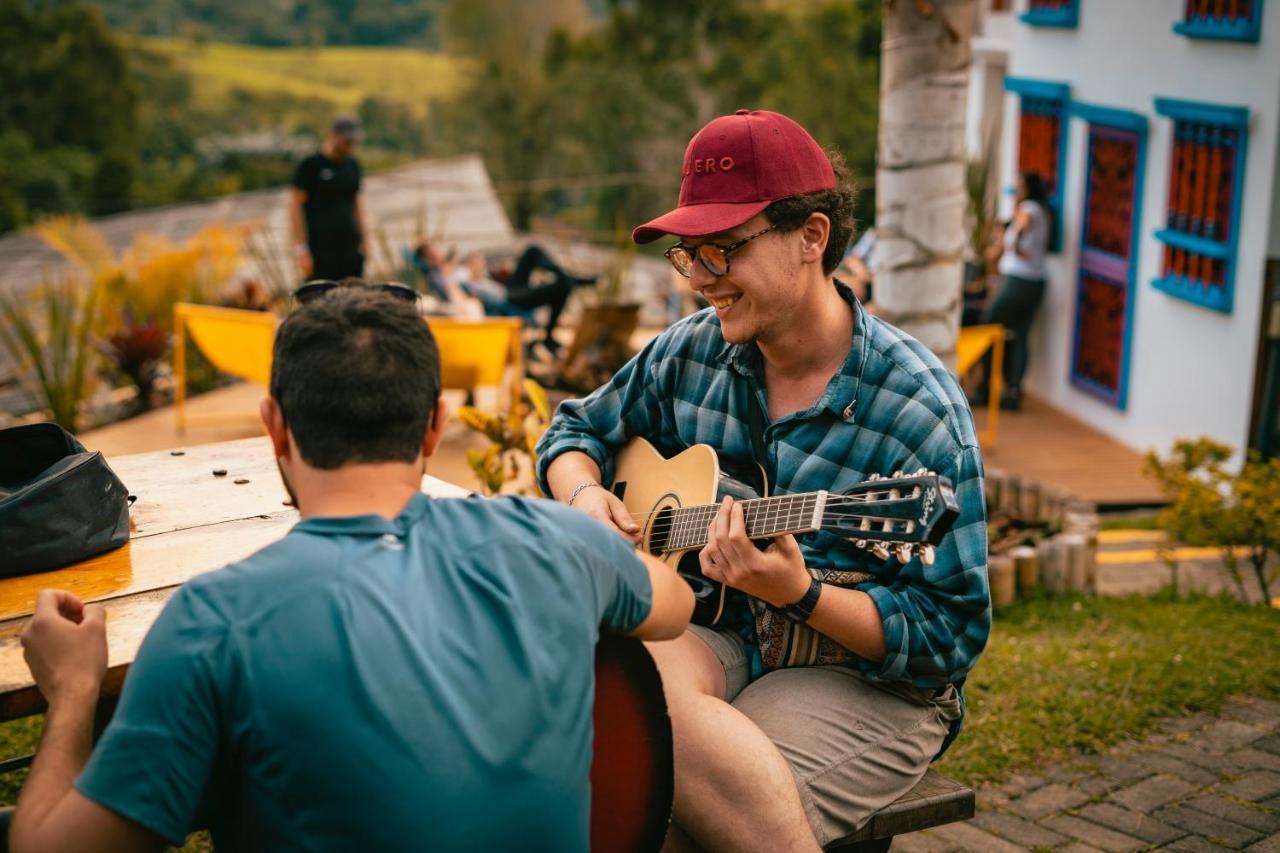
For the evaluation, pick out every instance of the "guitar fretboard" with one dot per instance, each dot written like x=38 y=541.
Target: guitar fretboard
x=764 y=517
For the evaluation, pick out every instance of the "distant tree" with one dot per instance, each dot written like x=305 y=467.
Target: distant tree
x=68 y=107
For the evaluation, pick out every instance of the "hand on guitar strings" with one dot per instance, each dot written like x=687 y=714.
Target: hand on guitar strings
x=603 y=505
x=776 y=575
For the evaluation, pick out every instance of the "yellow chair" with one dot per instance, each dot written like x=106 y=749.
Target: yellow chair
x=477 y=353
x=234 y=341
x=473 y=353
x=971 y=346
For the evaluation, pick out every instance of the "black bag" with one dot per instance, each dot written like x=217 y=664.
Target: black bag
x=59 y=503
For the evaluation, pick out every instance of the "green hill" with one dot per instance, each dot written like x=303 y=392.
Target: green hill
x=341 y=76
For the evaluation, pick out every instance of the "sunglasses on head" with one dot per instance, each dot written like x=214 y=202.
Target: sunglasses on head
x=317 y=288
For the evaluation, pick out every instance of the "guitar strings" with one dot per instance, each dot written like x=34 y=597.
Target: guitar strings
x=688 y=519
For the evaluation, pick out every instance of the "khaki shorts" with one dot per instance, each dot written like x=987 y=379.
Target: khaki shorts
x=854 y=745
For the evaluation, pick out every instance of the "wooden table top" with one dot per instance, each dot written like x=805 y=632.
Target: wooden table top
x=184 y=522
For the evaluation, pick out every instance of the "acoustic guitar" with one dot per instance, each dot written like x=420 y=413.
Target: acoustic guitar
x=674 y=501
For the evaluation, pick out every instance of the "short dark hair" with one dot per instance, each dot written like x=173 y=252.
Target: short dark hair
x=357 y=375
x=792 y=212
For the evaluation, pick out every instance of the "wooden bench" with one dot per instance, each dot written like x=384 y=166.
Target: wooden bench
x=934 y=801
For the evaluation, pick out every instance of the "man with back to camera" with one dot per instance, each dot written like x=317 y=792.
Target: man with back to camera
x=326 y=211
x=398 y=672
x=772 y=753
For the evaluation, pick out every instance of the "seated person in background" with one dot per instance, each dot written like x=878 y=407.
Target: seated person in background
x=858 y=269
x=397 y=673
x=514 y=296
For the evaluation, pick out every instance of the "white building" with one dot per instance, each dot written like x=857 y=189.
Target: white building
x=1157 y=126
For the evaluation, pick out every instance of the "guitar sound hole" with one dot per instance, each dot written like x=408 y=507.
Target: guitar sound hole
x=660 y=531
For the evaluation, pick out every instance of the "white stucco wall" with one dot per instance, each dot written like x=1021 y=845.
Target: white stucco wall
x=1191 y=368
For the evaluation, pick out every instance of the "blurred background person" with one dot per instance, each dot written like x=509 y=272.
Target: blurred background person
x=1022 y=281
x=330 y=232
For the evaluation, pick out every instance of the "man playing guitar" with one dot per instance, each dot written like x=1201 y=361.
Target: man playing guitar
x=771 y=754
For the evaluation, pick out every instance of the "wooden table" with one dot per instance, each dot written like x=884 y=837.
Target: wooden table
x=185 y=521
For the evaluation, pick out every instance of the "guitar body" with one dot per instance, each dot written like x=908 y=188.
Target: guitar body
x=652 y=487
x=632 y=775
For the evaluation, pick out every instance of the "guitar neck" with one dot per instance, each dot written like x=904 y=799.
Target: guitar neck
x=765 y=518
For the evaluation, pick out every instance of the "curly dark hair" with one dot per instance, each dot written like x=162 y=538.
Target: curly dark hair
x=792 y=212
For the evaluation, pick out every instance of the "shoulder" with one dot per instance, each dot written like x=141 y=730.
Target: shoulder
x=306 y=168
x=247 y=588
x=547 y=522
x=902 y=368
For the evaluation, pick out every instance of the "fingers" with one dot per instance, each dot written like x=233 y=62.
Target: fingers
x=95 y=616
x=53 y=603
x=621 y=517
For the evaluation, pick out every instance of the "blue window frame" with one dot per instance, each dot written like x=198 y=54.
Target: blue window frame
x=1044 y=110
x=1206 y=187
x=1234 y=20
x=1052 y=13
x=1110 y=232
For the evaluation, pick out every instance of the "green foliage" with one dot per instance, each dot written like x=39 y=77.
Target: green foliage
x=597 y=117
x=51 y=336
x=1211 y=504
x=1068 y=675
x=981 y=212
x=67 y=113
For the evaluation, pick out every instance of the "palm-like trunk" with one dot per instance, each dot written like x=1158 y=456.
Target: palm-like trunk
x=920 y=177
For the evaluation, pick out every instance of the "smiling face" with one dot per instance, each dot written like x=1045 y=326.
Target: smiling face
x=760 y=294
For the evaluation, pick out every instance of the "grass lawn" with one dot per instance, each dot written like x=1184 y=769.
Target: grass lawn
x=1059 y=676
x=344 y=76
x=1074 y=674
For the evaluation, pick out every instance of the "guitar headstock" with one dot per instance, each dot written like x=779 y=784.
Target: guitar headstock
x=905 y=515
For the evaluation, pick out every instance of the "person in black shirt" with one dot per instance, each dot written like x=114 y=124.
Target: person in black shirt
x=326 y=212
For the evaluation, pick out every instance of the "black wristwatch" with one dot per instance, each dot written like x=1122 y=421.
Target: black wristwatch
x=800 y=611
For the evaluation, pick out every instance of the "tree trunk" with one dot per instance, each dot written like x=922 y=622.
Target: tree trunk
x=920 y=176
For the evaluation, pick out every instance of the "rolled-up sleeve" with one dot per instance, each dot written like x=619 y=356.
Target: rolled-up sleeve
x=937 y=618
x=628 y=405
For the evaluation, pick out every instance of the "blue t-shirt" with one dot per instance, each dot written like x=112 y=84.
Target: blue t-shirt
x=422 y=683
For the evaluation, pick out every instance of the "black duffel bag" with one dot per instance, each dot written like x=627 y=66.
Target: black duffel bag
x=59 y=503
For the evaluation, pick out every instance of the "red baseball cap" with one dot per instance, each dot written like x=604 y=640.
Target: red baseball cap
x=737 y=166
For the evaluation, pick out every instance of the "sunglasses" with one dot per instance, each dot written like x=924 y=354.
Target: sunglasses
x=713 y=256
x=313 y=290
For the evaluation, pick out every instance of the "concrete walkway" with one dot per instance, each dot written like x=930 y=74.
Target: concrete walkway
x=1202 y=783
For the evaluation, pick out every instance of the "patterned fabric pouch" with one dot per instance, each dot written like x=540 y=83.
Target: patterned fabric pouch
x=784 y=643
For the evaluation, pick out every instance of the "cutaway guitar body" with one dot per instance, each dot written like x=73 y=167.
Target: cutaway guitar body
x=653 y=487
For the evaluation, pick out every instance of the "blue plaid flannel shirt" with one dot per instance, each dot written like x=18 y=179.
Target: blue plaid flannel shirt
x=892 y=406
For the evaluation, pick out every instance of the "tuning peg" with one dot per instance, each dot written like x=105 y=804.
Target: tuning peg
x=860 y=543
x=880 y=550
x=874 y=477
x=927 y=554
x=897 y=474
x=904 y=553
x=923 y=472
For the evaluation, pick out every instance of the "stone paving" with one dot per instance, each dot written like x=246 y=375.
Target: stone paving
x=1201 y=783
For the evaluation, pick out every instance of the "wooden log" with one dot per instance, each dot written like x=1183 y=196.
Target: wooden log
x=1076 y=548
x=1031 y=502
x=1026 y=566
x=1000 y=573
x=1052 y=560
x=1011 y=496
x=994 y=489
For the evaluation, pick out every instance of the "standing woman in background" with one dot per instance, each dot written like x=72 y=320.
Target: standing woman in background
x=1022 y=271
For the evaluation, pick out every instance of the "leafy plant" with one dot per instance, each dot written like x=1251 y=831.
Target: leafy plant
x=1213 y=505
x=136 y=349
x=512 y=438
x=52 y=338
x=981 y=213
